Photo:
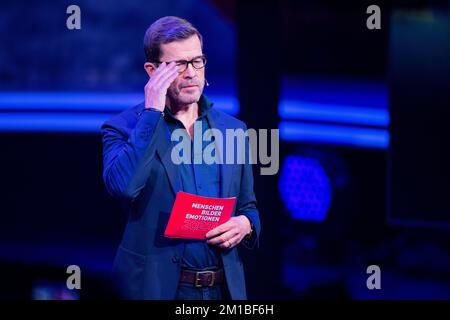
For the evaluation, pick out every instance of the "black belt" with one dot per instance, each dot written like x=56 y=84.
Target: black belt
x=202 y=278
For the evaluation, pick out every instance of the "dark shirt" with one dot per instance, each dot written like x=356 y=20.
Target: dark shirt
x=200 y=179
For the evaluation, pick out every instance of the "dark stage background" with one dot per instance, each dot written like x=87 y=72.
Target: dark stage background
x=363 y=116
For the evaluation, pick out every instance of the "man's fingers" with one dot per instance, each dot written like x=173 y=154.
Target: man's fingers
x=161 y=71
x=228 y=244
x=219 y=239
x=168 y=79
x=218 y=230
x=165 y=79
x=158 y=71
x=158 y=84
x=225 y=236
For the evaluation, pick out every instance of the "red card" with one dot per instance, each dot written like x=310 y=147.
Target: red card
x=193 y=216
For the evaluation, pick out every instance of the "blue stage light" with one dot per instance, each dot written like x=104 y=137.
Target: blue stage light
x=305 y=188
x=73 y=101
x=92 y=102
x=334 y=111
x=313 y=111
x=52 y=122
x=333 y=134
x=75 y=112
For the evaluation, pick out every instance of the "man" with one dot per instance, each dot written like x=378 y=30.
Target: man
x=138 y=168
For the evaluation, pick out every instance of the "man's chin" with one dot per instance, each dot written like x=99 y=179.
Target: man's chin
x=189 y=98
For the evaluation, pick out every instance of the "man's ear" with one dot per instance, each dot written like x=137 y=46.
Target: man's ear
x=150 y=68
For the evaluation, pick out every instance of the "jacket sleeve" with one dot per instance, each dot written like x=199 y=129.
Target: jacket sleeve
x=126 y=156
x=246 y=201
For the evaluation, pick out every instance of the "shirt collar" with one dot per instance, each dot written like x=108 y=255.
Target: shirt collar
x=204 y=105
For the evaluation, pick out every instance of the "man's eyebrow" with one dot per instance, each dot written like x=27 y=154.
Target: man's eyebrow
x=196 y=57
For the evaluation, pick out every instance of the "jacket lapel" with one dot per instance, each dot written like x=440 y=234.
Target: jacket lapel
x=164 y=150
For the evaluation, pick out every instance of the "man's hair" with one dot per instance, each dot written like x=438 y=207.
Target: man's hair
x=165 y=30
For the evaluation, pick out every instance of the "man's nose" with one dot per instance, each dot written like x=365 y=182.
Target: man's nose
x=190 y=71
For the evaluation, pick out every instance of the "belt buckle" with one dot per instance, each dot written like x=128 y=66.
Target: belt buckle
x=197 y=278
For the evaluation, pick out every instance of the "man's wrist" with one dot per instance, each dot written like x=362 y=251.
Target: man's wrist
x=153 y=109
x=250 y=233
x=251 y=230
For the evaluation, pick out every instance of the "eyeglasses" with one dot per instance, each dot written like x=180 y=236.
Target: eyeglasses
x=197 y=63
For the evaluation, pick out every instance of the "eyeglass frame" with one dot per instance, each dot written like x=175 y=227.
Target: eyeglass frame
x=186 y=62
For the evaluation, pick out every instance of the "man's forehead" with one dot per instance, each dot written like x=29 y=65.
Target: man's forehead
x=182 y=50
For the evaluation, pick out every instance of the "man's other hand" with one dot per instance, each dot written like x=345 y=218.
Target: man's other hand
x=231 y=233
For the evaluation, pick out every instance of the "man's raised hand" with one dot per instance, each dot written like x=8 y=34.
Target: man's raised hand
x=156 y=87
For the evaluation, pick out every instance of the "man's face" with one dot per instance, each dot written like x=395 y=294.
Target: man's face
x=188 y=86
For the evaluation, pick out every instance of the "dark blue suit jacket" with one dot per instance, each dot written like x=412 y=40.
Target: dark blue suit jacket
x=139 y=170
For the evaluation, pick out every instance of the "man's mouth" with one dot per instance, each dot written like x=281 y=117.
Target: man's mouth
x=189 y=86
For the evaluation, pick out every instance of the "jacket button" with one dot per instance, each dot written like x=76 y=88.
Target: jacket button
x=175 y=259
